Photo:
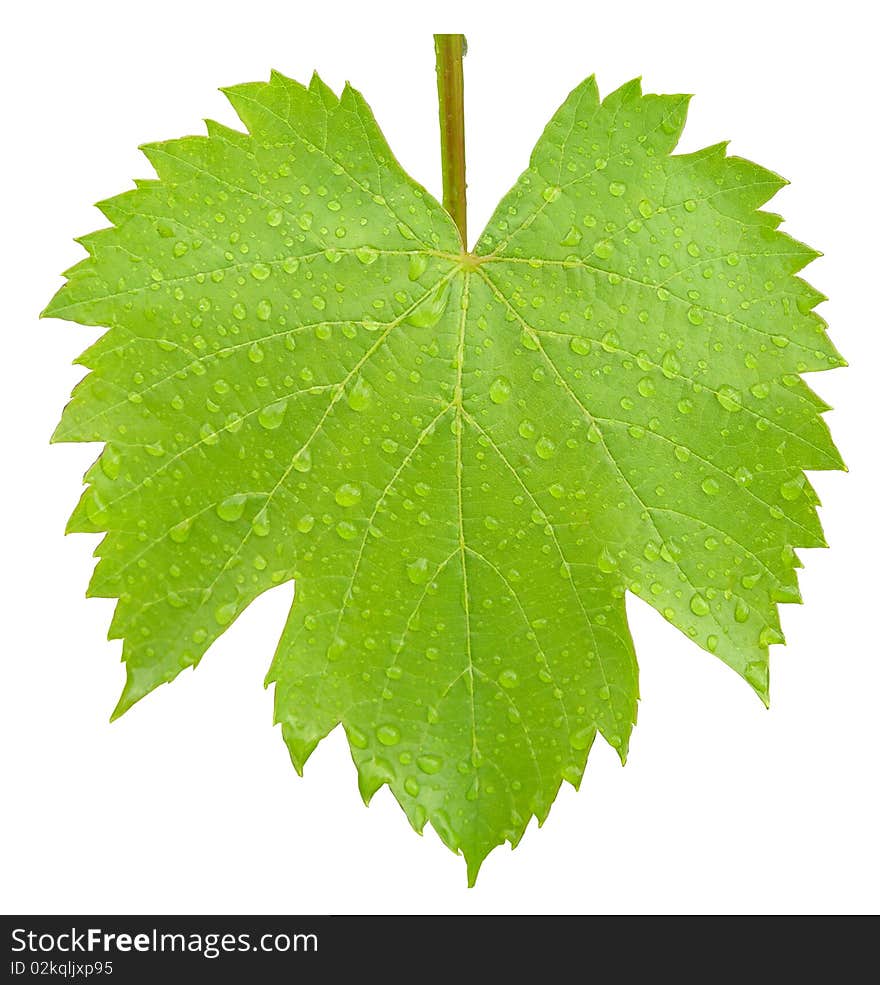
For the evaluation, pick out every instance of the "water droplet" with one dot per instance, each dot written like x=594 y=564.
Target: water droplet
x=274 y=217
x=431 y=309
x=360 y=395
x=545 y=447
x=179 y=533
x=710 y=486
x=305 y=523
x=232 y=507
x=264 y=309
x=111 y=461
x=769 y=635
x=617 y=188
x=260 y=271
x=646 y=386
x=417 y=571
x=224 y=614
x=418 y=264
x=646 y=210
x=271 y=417
x=508 y=679
x=670 y=551
x=527 y=429
x=603 y=249
x=760 y=390
x=699 y=606
x=346 y=530
x=606 y=561
x=681 y=453
x=579 y=346
x=429 y=764
x=791 y=489
x=388 y=735
x=302 y=460
x=551 y=193
x=581 y=739
x=670 y=365
x=260 y=524
x=411 y=786
x=695 y=315
x=348 y=494
x=741 y=611
x=366 y=255
x=572 y=237
x=712 y=643
x=336 y=649
x=730 y=398
x=499 y=391
x=529 y=341
x=758 y=675
x=389 y=446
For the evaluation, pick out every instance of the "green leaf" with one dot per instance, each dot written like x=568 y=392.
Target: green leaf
x=464 y=460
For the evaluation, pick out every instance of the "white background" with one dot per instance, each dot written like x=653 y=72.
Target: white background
x=189 y=804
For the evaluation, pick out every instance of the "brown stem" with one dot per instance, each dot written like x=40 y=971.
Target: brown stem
x=450 y=48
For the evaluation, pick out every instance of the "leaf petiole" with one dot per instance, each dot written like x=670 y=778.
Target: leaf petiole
x=450 y=49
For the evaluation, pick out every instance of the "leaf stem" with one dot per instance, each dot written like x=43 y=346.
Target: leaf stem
x=450 y=49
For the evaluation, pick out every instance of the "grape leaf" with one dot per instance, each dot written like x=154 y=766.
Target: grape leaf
x=464 y=459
